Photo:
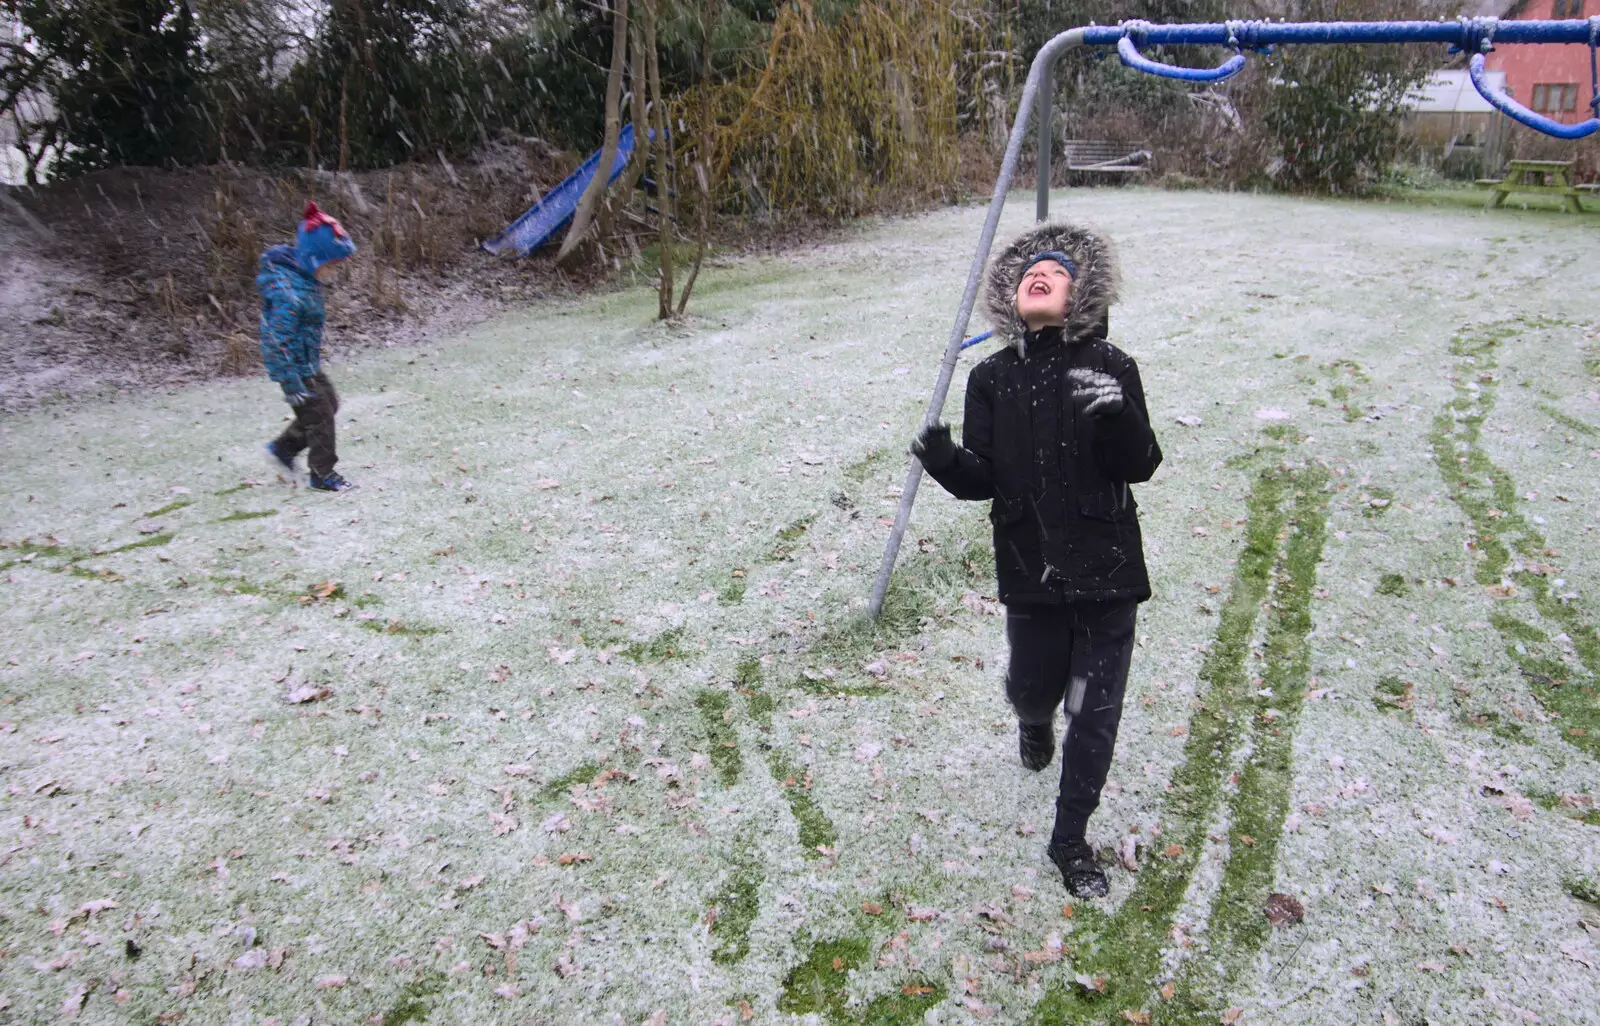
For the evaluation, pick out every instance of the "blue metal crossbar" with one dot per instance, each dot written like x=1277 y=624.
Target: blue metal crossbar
x=1472 y=35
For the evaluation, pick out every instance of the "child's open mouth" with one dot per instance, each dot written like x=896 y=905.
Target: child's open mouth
x=1039 y=288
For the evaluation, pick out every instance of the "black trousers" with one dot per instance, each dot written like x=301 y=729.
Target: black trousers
x=313 y=428
x=1051 y=648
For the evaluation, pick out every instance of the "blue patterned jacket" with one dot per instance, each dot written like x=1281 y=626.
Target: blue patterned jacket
x=292 y=312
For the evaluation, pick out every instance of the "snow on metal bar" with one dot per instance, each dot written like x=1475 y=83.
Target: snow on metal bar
x=1463 y=32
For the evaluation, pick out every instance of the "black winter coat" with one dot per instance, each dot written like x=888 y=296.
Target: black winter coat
x=1066 y=526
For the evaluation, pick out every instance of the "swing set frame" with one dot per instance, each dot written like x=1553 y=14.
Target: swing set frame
x=1475 y=36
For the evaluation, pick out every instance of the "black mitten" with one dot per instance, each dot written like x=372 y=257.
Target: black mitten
x=934 y=447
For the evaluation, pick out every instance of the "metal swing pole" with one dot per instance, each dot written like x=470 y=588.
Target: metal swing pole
x=1039 y=77
x=1472 y=35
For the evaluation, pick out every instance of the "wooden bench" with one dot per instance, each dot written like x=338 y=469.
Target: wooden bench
x=1547 y=176
x=1099 y=155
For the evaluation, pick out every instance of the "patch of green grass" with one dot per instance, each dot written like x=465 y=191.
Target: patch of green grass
x=818 y=984
x=414 y=1004
x=1378 y=502
x=1489 y=497
x=1497 y=725
x=87 y=574
x=815 y=829
x=240 y=487
x=1584 y=888
x=246 y=515
x=737 y=904
x=583 y=773
x=666 y=645
x=366 y=599
x=923 y=583
x=858 y=471
x=1256 y=457
x=1257 y=808
x=171 y=507
x=732 y=591
x=154 y=541
x=1517 y=630
x=716 y=715
x=747 y=681
x=789 y=537
x=1582 y=427
x=1393 y=585
x=241 y=586
x=1550 y=801
x=906 y=1005
x=1394 y=695
x=394 y=626
x=1125 y=948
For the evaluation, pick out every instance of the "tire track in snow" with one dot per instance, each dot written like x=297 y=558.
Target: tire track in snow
x=1513 y=559
x=1236 y=927
x=1119 y=956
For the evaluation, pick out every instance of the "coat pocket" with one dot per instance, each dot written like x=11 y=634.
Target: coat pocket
x=1004 y=512
x=1114 y=504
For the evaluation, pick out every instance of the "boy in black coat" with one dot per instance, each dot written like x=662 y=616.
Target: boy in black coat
x=1055 y=432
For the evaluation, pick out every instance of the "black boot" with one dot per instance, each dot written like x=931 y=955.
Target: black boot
x=1036 y=743
x=1079 y=871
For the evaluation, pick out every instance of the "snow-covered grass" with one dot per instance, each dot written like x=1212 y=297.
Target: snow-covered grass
x=570 y=715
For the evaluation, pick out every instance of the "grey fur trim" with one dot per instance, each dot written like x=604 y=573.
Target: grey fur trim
x=1094 y=288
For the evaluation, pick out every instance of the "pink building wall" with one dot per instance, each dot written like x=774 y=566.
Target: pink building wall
x=1555 y=63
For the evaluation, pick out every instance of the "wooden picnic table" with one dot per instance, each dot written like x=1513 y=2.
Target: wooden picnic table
x=1552 y=177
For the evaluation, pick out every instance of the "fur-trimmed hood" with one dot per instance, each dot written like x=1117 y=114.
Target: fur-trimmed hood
x=1094 y=287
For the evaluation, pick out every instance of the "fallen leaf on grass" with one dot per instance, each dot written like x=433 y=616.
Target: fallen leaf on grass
x=72 y=1004
x=517 y=769
x=332 y=982
x=1580 y=953
x=915 y=990
x=1283 y=909
x=307 y=693
x=1172 y=851
x=1232 y=1016
x=1138 y=1018
x=1431 y=967
x=1168 y=991
x=872 y=908
x=507 y=990
x=574 y=856
x=504 y=823
x=89 y=908
x=254 y=959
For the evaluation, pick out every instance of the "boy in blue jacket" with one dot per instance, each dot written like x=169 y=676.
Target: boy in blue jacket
x=290 y=280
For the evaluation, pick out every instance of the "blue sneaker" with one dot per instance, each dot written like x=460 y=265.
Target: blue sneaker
x=287 y=463
x=332 y=483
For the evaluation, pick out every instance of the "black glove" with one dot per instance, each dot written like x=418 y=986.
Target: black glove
x=1095 y=392
x=297 y=392
x=934 y=447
